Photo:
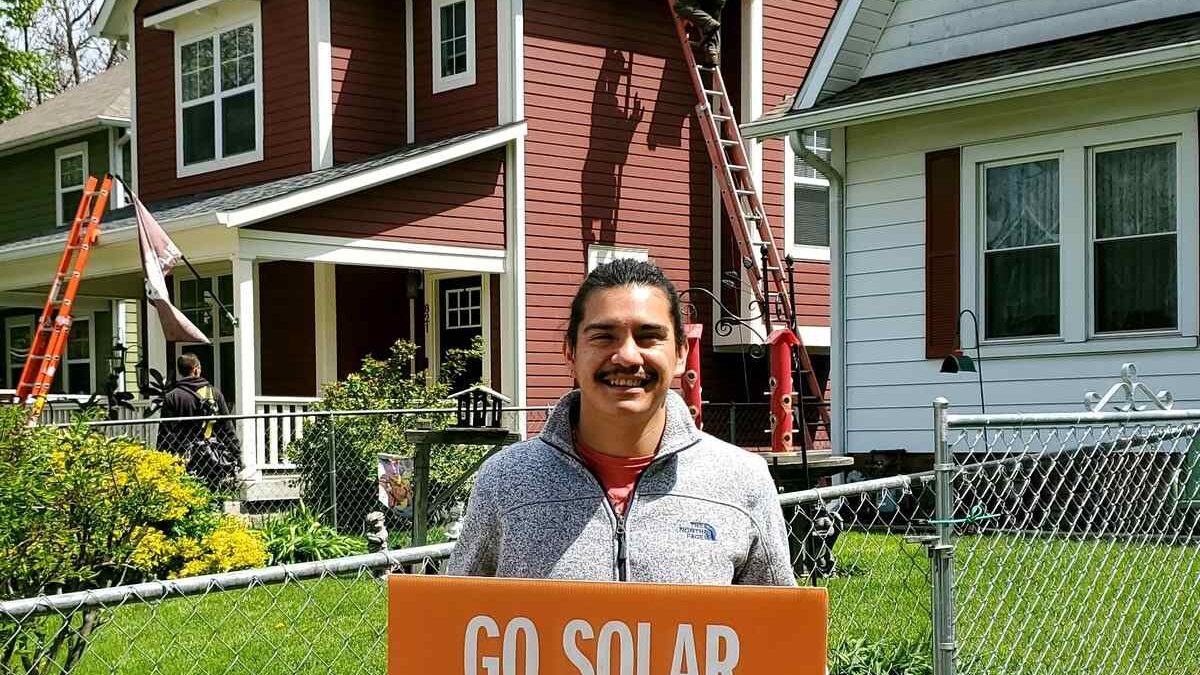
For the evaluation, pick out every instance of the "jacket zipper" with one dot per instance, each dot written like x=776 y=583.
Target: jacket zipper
x=619 y=532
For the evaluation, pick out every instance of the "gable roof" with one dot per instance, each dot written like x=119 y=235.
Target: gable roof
x=255 y=203
x=101 y=101
x=870 y=38
x=1136 y=49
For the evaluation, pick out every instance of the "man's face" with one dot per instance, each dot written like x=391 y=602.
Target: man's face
x=625 y=354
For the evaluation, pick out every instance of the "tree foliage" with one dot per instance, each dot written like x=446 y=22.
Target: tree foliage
x=23 y=71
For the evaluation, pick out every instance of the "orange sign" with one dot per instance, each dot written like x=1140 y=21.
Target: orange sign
x=480 y=626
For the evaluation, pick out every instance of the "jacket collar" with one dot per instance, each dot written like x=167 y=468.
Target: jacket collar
x=680 y=431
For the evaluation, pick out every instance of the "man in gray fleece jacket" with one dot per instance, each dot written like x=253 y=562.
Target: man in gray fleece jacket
x=620 y=485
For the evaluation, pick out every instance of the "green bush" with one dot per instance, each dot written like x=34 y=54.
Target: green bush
x=299 y=536
x=859 y=656
x=337 y=456
x=80 y=511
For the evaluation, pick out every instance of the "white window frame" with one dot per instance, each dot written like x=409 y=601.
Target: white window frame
x=67 y=152
x=982 y=169
x=463 y=79
x=200 y=32
x=11 y=322
x=460 y=308
x=118 y=140
x=1180 y=260
x=600 y=254
x=790 y=181
x=1075 y=147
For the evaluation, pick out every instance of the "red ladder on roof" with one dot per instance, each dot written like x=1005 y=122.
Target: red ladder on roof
x=50 y=334
x=743 y=205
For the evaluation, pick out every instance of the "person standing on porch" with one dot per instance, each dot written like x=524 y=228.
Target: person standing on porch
x=620 y=484
x=208 y=447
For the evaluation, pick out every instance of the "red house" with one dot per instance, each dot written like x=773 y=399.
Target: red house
x=348 y=172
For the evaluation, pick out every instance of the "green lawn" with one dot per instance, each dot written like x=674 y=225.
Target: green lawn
x=1067 y=608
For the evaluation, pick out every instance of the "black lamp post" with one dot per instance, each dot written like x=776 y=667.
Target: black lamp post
x=958 y=362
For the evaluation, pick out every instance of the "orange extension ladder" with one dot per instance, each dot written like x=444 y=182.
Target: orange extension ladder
x=50 y=334
x=743 y=204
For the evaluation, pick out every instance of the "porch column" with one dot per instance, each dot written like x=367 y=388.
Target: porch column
x=325 y=322
x=245 y=359
x=156 y=341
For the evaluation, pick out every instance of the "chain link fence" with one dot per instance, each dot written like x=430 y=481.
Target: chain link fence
x=1077 y=547
x=860 y=541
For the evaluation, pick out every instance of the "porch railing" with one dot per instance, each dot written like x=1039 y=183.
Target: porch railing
x=276 y=433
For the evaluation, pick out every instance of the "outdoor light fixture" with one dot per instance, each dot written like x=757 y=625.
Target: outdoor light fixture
x=958 y=362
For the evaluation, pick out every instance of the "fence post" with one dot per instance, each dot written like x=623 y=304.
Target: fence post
x=420 y=493
x=942 y=552
x=333 y=470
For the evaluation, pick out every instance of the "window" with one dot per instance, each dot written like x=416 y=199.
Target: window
x=599 y=254
x=1134 y=222
x=216 y=359
x=75 y=377
x=220 y=104
x=810 y=199
x=453 y=44
x=18 y=336
x=1083 y=235
x=463 y=307
x=1021 y=249
x=78 y=371
x=70 y=172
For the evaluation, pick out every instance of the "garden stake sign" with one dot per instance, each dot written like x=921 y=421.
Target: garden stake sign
x=483 y=626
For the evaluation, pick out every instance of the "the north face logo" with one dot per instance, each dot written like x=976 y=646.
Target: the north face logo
x=697 y=530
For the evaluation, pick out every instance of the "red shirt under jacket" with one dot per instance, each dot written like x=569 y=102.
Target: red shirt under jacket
x=617 y=474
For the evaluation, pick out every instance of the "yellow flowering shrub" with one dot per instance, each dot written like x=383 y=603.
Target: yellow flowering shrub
x=80 y=511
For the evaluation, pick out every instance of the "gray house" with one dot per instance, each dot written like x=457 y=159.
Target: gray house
x=1023 y=168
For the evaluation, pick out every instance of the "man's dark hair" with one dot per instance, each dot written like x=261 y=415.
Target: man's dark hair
x=624 y=272
x=186 y=363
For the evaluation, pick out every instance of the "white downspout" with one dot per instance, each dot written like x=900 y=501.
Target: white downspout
x=837 y=341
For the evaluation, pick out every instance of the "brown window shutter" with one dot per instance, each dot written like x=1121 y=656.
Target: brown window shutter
x=941 y=252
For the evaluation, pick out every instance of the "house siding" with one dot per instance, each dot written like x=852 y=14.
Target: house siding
x=889 y=384
x=791 y=33
x=934 y=31
x=595 y=172
x=461 y=204
x=369 y=64
x=30 y=211
x=458 y=110
x=285 y=92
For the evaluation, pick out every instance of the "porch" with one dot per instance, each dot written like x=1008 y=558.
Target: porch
x=304 y=311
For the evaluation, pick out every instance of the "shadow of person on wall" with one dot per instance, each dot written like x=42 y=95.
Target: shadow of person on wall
x=615 y=116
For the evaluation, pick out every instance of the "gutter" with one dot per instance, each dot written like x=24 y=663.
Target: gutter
x=1118 y=66
x=56 y=135
x=837 y=339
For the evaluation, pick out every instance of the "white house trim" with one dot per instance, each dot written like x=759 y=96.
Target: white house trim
x=827 y=53
x=66 y=152
x=504 y=69
x=1093 y=71
x=435 y=326
x=320 y=80
x=374 y=252
x=466 y=78
x=410 y=106
x=246 y=12
x=55 y=136
x=368 y=179
x=168 y=18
